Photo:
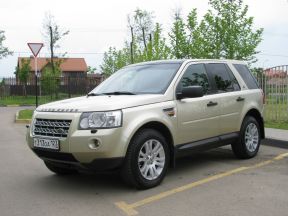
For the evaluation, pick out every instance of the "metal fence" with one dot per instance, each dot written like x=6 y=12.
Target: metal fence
x=274 y=82
x=12 y=91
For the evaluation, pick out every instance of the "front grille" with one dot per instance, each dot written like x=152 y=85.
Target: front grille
x=51 y=127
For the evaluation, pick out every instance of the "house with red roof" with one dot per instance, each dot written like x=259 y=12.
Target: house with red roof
x=70 y=67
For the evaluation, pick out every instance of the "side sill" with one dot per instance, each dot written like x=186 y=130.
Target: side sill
x=206 y=144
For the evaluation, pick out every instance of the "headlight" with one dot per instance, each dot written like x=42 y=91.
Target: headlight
x=93 y=120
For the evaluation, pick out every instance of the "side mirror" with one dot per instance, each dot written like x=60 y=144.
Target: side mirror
x=190 y=92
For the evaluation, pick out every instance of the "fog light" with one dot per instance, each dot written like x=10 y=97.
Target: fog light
x=95 y=143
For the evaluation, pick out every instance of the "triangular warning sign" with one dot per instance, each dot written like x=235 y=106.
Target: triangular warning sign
x=35 y=48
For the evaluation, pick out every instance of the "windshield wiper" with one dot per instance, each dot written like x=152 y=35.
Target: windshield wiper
x=119 y=93
x=93 y=94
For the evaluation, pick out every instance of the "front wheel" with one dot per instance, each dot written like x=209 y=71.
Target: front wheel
x=147 y=159
x=249 y=141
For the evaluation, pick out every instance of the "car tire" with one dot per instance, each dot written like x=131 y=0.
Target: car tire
x=146 y=160
x=247 y=146
x=58 y=169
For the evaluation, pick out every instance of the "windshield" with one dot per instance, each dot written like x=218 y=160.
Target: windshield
x=141 y=79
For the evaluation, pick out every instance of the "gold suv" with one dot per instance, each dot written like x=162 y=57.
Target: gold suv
x=146 y=115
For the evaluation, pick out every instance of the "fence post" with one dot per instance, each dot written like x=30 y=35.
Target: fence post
x=69 y=90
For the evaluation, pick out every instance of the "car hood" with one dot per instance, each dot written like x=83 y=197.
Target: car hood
x=101 y=103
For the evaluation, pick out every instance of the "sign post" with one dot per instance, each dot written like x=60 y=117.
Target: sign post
x=35 y=49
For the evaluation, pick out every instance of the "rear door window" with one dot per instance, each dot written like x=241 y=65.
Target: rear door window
x=222 y=76
x=247 y=76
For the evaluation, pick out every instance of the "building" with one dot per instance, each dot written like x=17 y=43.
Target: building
x=70 y=67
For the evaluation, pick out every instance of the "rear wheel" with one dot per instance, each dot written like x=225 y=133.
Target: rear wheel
x=249 y=141
x=147 y=159
x=60 y=169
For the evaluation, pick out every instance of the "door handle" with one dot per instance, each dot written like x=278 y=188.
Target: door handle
x=240 y=99
x=211 y=103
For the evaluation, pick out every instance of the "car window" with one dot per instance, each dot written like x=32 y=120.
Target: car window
x=246 y=75
x=224 y=79
x=140 y=79
x=195 y=75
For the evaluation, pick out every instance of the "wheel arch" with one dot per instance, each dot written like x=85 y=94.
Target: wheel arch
x=166 y=133
x=257 y=115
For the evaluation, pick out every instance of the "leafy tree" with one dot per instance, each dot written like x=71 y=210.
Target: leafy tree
x=91 y=70
x=178 y=37
x=53 y=34
x=226 y=31
x=4 y=51
x=50 y=80
x=114 y=60
x=147 y=43
x=157 y=48
x=23 y=73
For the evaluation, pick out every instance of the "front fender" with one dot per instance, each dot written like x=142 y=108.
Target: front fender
x=133 y=121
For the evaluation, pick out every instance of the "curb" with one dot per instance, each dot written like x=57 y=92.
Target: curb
x=275 y=143
x=21 y=121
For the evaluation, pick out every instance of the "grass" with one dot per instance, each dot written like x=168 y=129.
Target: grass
x=277 y=124
x=25 y=114
x=30 y=100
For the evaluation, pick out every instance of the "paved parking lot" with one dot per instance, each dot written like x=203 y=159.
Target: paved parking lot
x=211 y=183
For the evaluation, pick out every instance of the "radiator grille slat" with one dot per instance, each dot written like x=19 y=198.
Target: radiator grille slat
x=51 y=127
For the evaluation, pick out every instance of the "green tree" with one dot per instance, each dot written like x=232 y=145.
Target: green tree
x=23 y=73
x=157 y=48
x=91 y=70
x=226 y=31
x=147 y=43
x=178 y=37
x=4 y=51
x=114 y=60
x=50 y=80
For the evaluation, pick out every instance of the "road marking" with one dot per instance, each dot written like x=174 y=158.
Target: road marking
x=129 y=209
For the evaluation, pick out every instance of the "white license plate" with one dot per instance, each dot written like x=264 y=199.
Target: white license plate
x=46 y=143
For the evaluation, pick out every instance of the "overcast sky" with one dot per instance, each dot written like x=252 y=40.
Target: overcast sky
x=96 y=25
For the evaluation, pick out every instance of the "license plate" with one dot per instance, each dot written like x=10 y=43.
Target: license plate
x=46 y=143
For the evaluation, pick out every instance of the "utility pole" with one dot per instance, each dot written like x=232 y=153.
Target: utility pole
x=52 y=48
x=131 y=45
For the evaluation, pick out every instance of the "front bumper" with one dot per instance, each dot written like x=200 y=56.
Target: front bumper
x=75 y=148
x=69 y=161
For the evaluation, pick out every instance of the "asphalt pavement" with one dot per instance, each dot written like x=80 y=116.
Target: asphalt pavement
x=211 y=183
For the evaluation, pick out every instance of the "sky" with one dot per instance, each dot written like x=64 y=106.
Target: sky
x=96 y=25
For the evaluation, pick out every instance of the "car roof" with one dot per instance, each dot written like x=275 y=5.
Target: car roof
x=181 y=61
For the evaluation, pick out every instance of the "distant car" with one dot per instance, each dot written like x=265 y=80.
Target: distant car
x=146 y=115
